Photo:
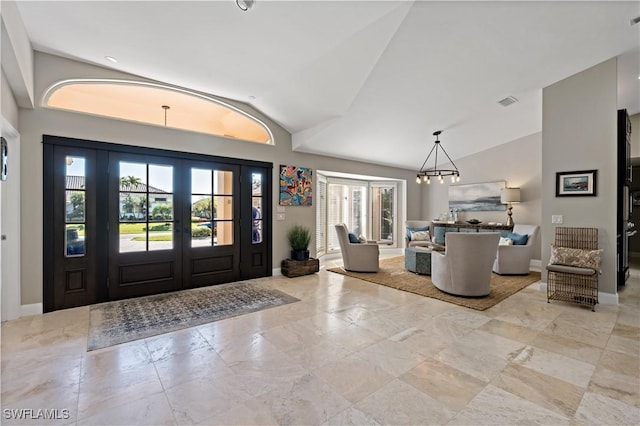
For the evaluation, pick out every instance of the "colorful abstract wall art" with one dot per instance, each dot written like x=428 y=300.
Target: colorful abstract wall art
x=296 y=186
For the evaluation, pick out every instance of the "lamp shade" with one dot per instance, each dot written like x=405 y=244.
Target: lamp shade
x=510 y=195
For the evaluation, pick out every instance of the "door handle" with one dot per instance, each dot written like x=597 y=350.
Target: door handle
x=632 y=233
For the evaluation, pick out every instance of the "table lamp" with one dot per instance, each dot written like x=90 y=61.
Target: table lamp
x=510 y=196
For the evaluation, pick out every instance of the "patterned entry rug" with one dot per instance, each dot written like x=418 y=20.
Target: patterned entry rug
x=392 y=274
x=112 y=323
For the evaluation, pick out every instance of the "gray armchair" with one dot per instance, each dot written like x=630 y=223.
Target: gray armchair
x=464 y=269
x=516 y=260
x=357 y=257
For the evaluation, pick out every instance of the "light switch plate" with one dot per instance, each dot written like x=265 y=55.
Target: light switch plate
x=280 y=209
x=557 y=219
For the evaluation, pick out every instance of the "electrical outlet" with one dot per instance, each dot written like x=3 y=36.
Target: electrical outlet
x=280 y=216
x=557 y=219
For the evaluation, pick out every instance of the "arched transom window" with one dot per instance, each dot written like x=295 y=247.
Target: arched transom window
x=156 y=104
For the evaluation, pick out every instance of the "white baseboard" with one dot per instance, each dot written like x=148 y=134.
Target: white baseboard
x=276 y=272
x=608 y=298
x=535 y=264
x=32 y=309
x=603 y=298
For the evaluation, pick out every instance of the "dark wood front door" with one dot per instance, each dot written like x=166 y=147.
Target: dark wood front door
x=70 y=224
x=128 y=221
x=145 y=226
x=211 y=231
x=255 y=233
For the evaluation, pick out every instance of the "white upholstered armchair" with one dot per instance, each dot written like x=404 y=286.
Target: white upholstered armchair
x=464 y=269
x=357 y=257
x=516 y=259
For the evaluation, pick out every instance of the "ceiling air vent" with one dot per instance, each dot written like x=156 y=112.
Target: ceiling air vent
x=508 y=101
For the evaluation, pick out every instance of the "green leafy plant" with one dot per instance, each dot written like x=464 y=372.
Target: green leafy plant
x=200 y=232
x=299 y=238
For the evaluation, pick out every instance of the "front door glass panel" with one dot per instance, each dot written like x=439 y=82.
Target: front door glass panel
x=211 y=207
x=146 y=207
x=75 y=206
x=256 y=208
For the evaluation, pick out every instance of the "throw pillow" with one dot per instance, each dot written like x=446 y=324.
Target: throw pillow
x=591 y=259
x=420 y=236
x=353 y=238
x=505 y=241
x=418 y=228
x=362 y=239
x=518 y=240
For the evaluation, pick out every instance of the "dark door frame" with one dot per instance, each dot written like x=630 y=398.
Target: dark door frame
x=102 y=152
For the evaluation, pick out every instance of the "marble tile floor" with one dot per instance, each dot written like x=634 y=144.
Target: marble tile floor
x=350 y=352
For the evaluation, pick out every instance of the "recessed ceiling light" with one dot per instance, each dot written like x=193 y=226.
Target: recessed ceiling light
x=245 y=5
x=111 y=59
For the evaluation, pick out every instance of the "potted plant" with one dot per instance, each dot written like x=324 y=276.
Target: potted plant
x=299 y=238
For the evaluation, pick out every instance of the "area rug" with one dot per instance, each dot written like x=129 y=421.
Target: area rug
x=112 y=323
x=392 y=274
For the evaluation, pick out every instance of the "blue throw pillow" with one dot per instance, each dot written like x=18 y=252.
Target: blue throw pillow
x=353 y=238
x=419 y=228
x=518 y=240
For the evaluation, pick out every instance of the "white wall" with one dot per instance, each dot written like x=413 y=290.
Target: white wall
x=518 y=162
x=17 y=54
x=10 y=226
x=579 y=133
x=8 y=106
x=35 y=123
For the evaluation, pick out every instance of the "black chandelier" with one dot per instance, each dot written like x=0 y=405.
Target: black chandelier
x=435 y=172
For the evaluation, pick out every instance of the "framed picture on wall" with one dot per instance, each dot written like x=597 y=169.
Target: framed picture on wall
x=577 y=184
x=295 y=186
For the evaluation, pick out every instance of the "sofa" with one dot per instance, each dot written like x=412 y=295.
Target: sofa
x=417 y=225
x=516 y=259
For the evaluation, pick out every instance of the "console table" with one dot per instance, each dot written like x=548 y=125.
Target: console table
x=441 y=228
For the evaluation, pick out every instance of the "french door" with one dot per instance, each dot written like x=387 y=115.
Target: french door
x=210 y=231
x=144 y=225
x=134 y=222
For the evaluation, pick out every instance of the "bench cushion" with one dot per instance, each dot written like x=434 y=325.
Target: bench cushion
x=570 y=269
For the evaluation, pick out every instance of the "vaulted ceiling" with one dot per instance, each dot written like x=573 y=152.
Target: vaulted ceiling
x=366 y=80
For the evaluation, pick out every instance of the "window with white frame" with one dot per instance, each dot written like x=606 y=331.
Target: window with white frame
x=368 y=208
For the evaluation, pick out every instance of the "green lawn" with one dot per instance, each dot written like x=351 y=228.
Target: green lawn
x=140 y=228
x=166 y=237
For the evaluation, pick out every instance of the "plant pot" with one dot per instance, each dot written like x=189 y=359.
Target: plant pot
x=300 y=254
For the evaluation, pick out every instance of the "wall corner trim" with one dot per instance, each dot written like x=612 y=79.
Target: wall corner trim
x=32 y=309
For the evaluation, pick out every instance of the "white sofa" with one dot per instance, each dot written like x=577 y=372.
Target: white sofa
x=515 y=260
